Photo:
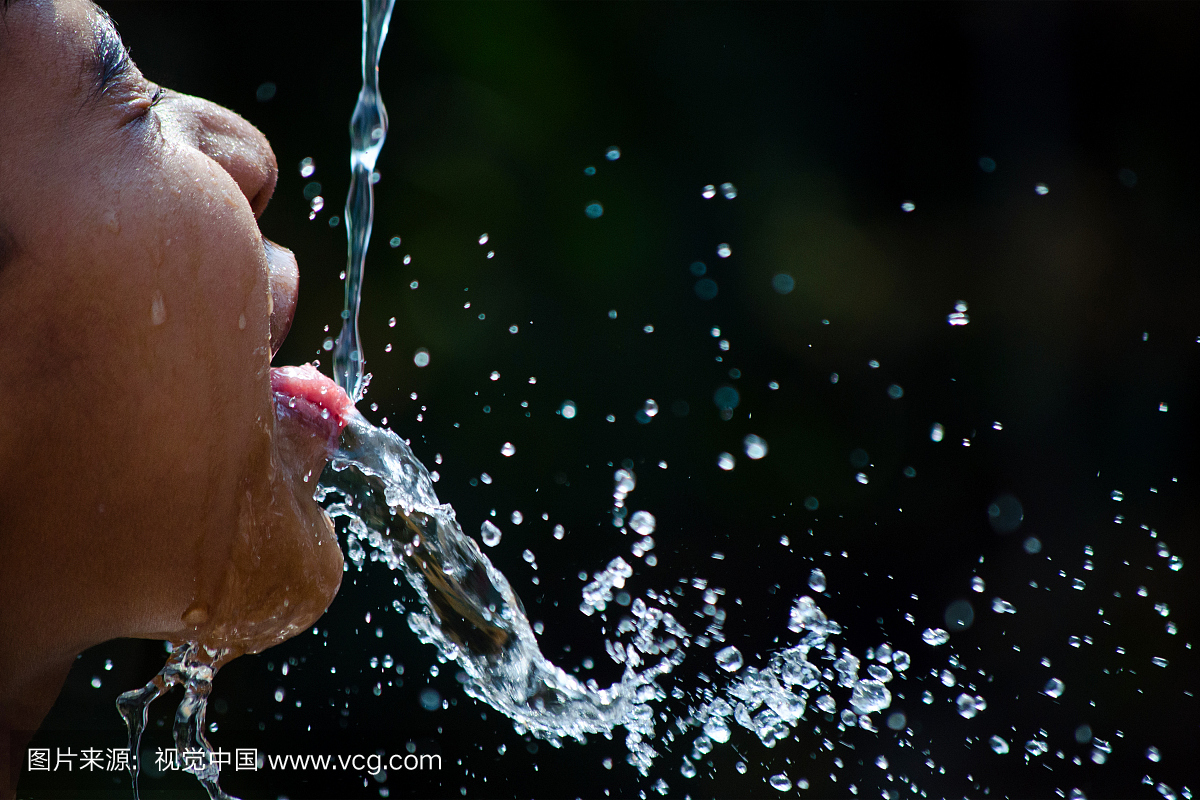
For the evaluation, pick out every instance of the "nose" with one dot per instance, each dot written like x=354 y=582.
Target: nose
x=235 y=144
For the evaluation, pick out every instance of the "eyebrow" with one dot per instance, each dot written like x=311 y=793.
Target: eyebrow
x=110 y=58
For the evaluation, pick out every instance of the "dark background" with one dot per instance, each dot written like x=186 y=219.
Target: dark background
x=826 y=117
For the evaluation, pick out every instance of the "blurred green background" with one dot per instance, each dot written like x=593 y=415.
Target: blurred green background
x=826 y=117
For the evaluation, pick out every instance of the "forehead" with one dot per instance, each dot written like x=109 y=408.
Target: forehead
x=46 y=42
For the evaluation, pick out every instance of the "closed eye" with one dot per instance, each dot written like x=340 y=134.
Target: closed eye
x=110 y=61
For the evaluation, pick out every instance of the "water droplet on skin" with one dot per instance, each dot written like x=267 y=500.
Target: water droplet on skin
x=490 y=533
x=816 y=580
x=158 y=309
x=725 y=461
x=935 y=637
x=729 y=659
x=756 y=447
x=507 y=449
x=642 y=523
x=241 y=322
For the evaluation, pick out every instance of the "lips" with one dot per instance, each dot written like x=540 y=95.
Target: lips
x=300 y=392
x=284 y=276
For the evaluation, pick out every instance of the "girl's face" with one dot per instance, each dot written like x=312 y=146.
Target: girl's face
x=153 y=486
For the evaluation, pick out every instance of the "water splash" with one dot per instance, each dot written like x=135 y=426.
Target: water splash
x=471 y=613
x=368 y=129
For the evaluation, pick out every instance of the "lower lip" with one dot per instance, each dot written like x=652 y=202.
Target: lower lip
x=305 y=390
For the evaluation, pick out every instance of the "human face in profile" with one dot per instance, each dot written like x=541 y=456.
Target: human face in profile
x=159 y=473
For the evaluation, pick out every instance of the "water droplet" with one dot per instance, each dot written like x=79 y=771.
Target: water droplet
x=279 y=695
x=816 y=580
x=756 y=446
x=594 y=211
x=567 y=409
x=1153 y=754
x=650 y=408
x=998 y=745
x=559 y=531
x=862 y=478
x=96 y=683
x=1053 y=688
x=959 y=316
x=507 y=449
x=158 y=309
x=966 y=706
x=988 y=165
x=307 y=167
x=947 y=678
x=935 y=637
x=706 y=288
x=708 y=192
x=265 y=92
x=485 y=478
x=1002 y=606
x=717 y=730
x=895 y=391
x=780 y=782
x=977 y=584
x=729 y=659
x=900 y=661
x=430 y=699
x=907 y=207
x=937 y=432
x=490 y=533
x=1162 y=406
x=512 y=329
x=528 y=555
x=517 y=518
x=612 y=153
x=1118 y=496
x=724 y=250
x=316 y=204
x=1041 y=188
x=421 y=357
x=729 y=190
x=726 y=398
x=642 y=523
x=1005 y=514
x=1158 y=661
x=725 y=461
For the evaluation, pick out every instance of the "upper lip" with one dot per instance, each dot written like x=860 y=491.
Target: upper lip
x=284 y=277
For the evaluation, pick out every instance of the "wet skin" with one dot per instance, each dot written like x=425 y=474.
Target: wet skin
x=151 y=489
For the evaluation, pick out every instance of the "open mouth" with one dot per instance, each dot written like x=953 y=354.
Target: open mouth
x=299 y=391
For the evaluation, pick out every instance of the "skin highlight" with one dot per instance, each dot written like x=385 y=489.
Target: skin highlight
x=153 y=486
